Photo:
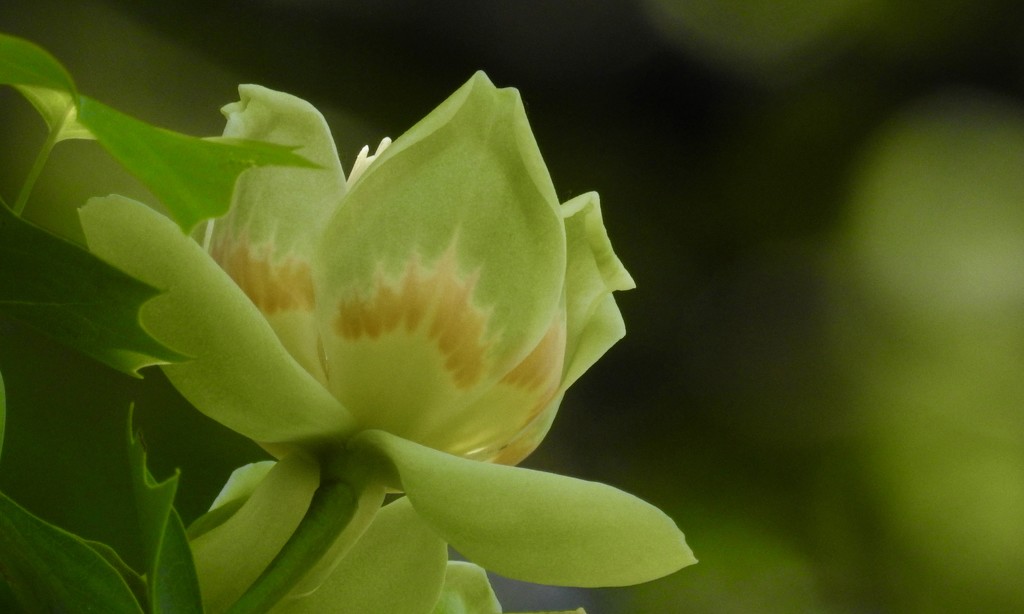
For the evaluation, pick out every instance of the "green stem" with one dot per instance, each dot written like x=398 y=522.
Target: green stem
x=37 y=168
x=333 y=506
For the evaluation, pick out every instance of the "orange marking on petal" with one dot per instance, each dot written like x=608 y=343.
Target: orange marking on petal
x=541 y=370
x=283 y=286
x=437 y=302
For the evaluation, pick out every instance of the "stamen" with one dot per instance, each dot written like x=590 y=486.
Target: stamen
x=363 y=160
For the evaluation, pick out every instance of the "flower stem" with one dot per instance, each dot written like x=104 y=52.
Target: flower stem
x=333 y=506
x=37 y=169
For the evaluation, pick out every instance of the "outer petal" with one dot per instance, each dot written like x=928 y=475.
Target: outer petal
x=398 y=566
x=266 y=241
x=523 y=443
x=241 y=376
x=594 y=272
x=467 y=591
x=443 y=269
x=592 y=319
x=531 y=525
x=232 y=555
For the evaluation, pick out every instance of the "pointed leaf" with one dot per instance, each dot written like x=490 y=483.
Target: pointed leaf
x=51 y=570
x=534 y=526
x=44 y=82
x=397 y=566
x=194 y=178
x=135 y=582
x=59 y=110
x=466 y=591
x=170 y=572
x=25 y=63
x=241 y=375
x=74 y=297
x=3 y=411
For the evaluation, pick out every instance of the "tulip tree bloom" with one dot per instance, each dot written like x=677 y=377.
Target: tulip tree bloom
x=421 y=318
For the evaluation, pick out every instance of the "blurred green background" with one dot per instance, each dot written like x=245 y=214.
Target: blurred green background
x=822 y=204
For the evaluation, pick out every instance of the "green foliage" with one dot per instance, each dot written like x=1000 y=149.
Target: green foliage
x=3 y=409
x=24 y=63
x=469 y=182
x=194 y=178
x=63 y=290
x=51 y=570
x=170 y=573
x=75 y=297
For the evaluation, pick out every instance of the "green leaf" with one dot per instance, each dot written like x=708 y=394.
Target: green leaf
x=51 y=570
x=3 y=409
x=25 y=63
x=466 y=591
x=397 y=566
x=534 y=526
x=74 y=297
x=170 y=572
x=135 y=582
x=44 y=82
x=59 y=110
x=194 y=178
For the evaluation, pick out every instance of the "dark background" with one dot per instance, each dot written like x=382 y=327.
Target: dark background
x=822 y=204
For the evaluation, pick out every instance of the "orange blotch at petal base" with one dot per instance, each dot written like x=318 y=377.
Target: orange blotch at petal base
x=272 y=287
x=478 y=411
x=436 y=302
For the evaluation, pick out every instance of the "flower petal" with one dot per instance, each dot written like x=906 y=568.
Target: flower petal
x=504 y=425
x=446 y=259
x=265 y=242
x=534 y=526
x=240 y=376
x=232 y=555
x=594 y=272
x=467 y=591
x=397 y=566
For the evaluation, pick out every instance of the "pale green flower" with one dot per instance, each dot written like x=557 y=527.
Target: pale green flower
x=425 y=313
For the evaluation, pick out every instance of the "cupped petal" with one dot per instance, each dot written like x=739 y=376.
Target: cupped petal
x=443 y=268
x=594 y=272
x=496 y=420
x=534 y=526
x=236 y=491
x=397 y=566
x=266 y=240
x=523 y=443
x=232 y=555
x=466 y=591
x=240 y=374
x=242 y=483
